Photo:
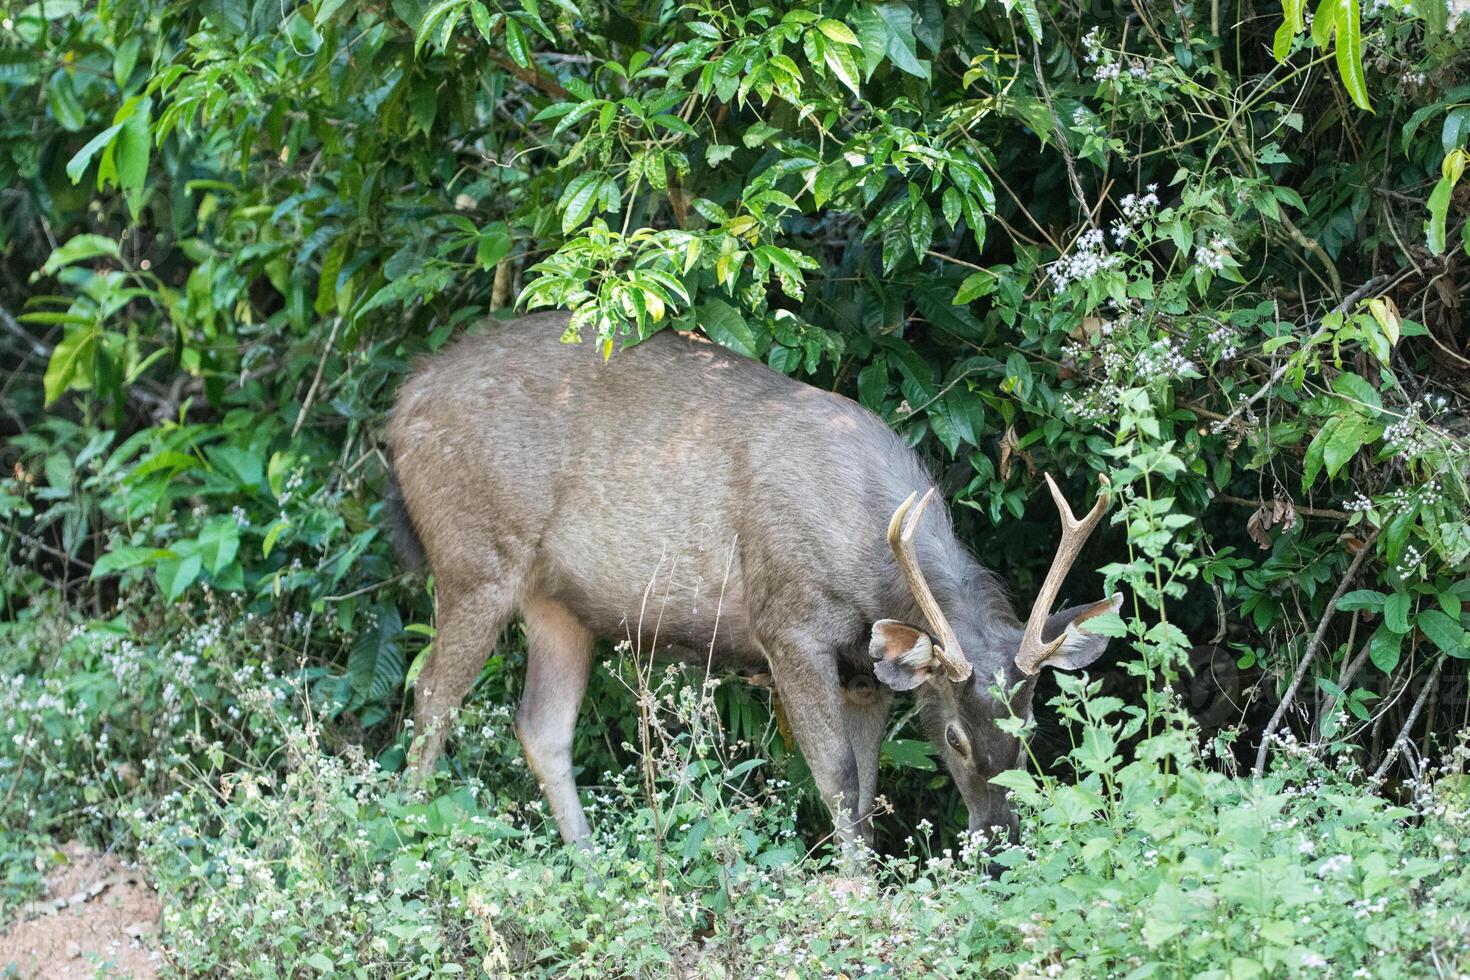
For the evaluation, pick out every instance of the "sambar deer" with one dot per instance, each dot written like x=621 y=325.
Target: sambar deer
x=538 y=478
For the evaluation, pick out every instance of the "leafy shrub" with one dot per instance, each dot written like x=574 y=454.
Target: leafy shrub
x=1170 y=247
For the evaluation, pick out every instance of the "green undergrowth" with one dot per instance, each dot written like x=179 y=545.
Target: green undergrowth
x=280 y=850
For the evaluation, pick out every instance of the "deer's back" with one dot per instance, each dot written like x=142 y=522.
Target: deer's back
x=674 y=483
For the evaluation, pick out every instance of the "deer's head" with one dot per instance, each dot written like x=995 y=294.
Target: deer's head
x=957 y=691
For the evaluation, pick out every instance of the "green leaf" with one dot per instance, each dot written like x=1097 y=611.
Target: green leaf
x=515 y=43
x=321 y=962
x=492 y=244
x=1343 y=445
x=1312 y=462
x=902 y=43
x=842 y=61
x=376 y=663
x=133 y=147
x=1357 y=388
x=1324 y=21
x=65 y=106
x=219 y=542
x=480 y=16
x=727 y=326
x=1031 y=16
x=872 y=35
x=1396 y=612
x=1362 y=599
x=1291 y=26
x=324 y=11
x=175 y=575
x=578 y=200
x=124 y=59
x=80 y=160
x=1350 y=52
x=79 y=249
x=1384 y=648
x=67 y=361
x=1439 y=206
x=1444 y=633
x=1451 y=169
x=276 y=529
x=121 y=559
x=838 y=31
x=921 y=229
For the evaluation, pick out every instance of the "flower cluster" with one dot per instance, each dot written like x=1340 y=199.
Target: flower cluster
x=1088 y=258
x=1222 y=340
x=1214 y=255
x=1406 y=436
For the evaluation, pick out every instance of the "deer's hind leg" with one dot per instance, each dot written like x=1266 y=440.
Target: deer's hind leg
x=557 y=665
x=469 y=621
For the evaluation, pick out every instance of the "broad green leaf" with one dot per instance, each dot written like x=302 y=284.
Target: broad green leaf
x=79 y=249
x=68 y=359
x=578 y=200
x=1291 y=26
x=1324 y=21
x=271 y=536
x=515 y=43
x=219 y=542
x=1362 y=599
x=1312 y=462
x=480 y=16
x=324 y=11
x=133 y=146
x=842 y=61
x=1396 y=612
x=376 y=664
x=1357 y=388
x=838 y=31
x=1030 y=15
x=1451 y=169
x=492 y=244
x=65 y=106
x=1344 y=444
x=1384 y=648
x=175 y=575
x=121 y=559
x=727 y=326
x=1444 y=633
x=921 y=229
x=872 y=36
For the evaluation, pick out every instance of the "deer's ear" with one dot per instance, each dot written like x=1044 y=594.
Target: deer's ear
x=904 y=655
x=1080 y=647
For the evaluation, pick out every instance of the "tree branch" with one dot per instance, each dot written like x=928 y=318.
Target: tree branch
x=1311 y=652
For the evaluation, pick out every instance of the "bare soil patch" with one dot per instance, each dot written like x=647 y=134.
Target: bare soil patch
x=99 y=918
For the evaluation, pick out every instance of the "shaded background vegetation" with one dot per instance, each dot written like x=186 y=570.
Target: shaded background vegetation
x=1216 y=251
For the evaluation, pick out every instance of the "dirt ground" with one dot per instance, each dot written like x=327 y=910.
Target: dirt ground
x=99 y=918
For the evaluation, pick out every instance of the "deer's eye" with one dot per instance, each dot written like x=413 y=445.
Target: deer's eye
x=956 y=740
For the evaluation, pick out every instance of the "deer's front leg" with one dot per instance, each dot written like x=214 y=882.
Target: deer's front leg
x=812 y=696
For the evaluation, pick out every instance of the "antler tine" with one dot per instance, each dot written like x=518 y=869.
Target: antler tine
x=1033 y=651
x=902 y=527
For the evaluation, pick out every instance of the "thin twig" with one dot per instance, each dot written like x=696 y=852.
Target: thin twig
x=1403 y=736
x=34 y=347
x=1061 y=137
x=1332 y=515
x=1311 y=652
x=317 y=380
